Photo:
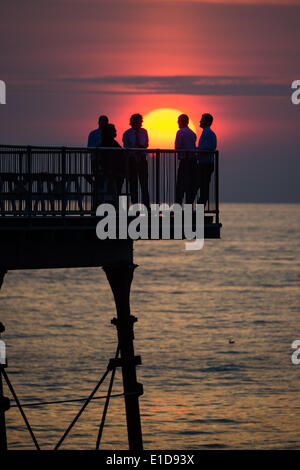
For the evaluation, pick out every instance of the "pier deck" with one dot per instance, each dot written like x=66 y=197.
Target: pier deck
x=47 y=218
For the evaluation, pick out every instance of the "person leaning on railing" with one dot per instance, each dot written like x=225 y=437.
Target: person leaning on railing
x=207 y=141
x=185 y=140
x=95 y=140
x=110 y=166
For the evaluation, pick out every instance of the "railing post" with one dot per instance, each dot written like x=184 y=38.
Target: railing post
x=127 y=179
x=157 y=177
x=63 y=169
x=29 y=172
x=18 y=182
x=217 y=185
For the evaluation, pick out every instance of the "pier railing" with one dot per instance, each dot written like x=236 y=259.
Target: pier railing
x=62 y=181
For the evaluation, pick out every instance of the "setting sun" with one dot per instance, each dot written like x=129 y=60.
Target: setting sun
x=162 y=126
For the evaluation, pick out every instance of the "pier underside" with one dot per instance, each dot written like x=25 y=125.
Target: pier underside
x=40 y=243
x=37 y=248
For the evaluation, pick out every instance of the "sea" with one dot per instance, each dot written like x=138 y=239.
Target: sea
x=215 y=331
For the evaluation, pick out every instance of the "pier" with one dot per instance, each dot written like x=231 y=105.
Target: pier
x=48 y=221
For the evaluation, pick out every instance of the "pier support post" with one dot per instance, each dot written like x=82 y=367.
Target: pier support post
x=4 y=401
x=4 y=406
x=120 y=278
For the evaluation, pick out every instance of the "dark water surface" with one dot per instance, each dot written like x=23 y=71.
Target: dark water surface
x=200 y=390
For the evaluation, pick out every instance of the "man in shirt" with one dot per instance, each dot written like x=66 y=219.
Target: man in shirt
x=94 y=139
x=137 y=137
x=207 y=141
x=185 y=140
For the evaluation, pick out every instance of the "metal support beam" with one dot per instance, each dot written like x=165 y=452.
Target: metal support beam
x=2 y=274
x=120 y=278
x=4 y=406
x=4 y=402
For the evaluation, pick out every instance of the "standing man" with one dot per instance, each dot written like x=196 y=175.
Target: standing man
x=95 y=139
x=185 y=140
x=207 y=141
x=137 y=137
x=113 y=162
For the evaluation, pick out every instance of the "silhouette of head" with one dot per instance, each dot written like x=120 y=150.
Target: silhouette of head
x=206 y=120
x=183 y=120
x=102 y=121
x=136 y=121
x=108 y=133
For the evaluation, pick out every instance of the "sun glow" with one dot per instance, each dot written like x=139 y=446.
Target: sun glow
x=162 y=126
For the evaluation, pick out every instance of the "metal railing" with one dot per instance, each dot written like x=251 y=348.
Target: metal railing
x=62 y=181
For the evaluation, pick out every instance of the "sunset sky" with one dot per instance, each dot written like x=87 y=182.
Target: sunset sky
x=67 y=61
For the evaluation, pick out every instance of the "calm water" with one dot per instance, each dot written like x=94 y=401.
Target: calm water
x=200 y=391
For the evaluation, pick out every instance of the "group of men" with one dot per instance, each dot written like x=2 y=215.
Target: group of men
x=195 y=168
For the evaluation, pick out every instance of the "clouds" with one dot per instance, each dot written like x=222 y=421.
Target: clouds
x=96 y=38
x=179 y=85
x=67 y=61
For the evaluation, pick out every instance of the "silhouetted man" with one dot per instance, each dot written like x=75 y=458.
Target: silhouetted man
x=113 y=162
x=95 y=138
x=137 y=137
x=185 y=140
x=207 y=141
